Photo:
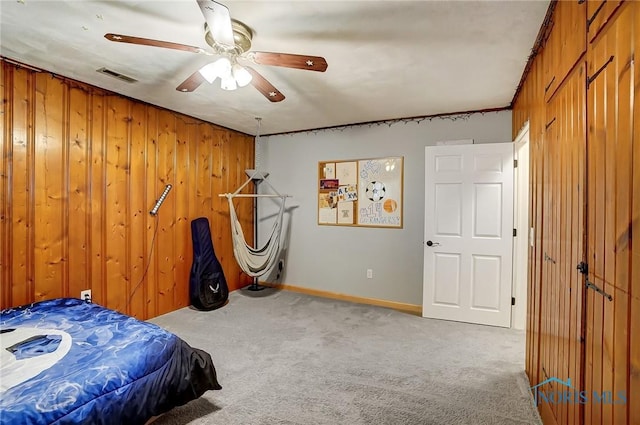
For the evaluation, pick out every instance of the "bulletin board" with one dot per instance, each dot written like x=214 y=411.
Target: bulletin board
x=363 y=192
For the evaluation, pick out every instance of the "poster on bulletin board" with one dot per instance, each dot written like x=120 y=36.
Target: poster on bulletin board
x=364 y=192
x=380 y=192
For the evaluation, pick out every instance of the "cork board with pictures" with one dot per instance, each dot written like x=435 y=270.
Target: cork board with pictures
x=363 y=192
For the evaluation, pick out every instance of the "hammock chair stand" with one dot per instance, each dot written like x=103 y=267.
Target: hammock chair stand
x=253 y=260
x=256 y=178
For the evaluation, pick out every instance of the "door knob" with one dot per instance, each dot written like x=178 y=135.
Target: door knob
x=429 y=243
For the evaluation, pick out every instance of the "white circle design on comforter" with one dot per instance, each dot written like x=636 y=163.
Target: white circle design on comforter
x=14 y=371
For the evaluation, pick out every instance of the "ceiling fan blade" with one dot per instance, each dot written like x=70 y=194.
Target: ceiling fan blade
x=191 y=83
x=150 y=42
x=219 y=22
x=287 y=60
x=264 y=86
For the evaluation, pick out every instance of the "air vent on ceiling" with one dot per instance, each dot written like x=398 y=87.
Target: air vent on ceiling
x=117 y=75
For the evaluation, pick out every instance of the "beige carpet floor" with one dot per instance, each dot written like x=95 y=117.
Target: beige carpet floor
x=288 y=358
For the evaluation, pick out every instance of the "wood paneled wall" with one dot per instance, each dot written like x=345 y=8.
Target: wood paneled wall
x=80 y=170
x=585 y=206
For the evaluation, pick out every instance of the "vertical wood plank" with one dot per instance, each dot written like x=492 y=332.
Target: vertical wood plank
x=19 y=212
x=204 y=171
x=566 y=268
x=245 y=156
x=578 y=185
x=116 y=211
x=535 y=259
x=64 y=191
x=78 y=225
x=219 y=180
x=608 y=222
x=597 y=221
x=97 y=235
x=49 y=184
x=551 y=236
x=223 y=178
x=194 y=138
x=137 y=211
x=633 y=402
x=152 y=223
x=537 y=126
x=595 y=124
x=621 y=216
x=546 y=310
x=182 y=231
x=166 y=216
x=5 y=186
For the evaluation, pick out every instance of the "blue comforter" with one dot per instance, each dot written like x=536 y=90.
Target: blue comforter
x=67 y=361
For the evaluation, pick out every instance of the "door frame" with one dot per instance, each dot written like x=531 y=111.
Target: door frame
x=524 y=233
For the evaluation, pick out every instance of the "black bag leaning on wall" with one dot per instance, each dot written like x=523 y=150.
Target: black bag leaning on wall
x=207 y=285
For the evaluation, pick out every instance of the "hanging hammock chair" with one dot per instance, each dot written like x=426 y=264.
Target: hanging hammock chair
x=255 y=261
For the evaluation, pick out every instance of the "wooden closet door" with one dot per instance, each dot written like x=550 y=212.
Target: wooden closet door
x=563 y=245
x=599 y=12
x=609 y=222
x=566 y=42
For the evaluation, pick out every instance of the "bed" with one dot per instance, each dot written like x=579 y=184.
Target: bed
x=67 y=361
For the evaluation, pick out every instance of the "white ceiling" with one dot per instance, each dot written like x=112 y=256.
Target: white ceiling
x=387 y=59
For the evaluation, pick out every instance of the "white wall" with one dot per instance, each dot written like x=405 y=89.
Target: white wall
x=334 y=258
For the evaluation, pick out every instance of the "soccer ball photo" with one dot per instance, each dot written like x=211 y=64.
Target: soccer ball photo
x=375 y=191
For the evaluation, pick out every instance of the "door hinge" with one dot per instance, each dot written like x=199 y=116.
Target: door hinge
x=547 y=125
x=583 y=267
x=548 y=86
x=515 y=163
x=594 y=76
x=513 y=300
x=515 y=232
x=593 y=17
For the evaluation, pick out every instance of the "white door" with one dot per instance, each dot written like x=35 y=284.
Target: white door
x=468 y=233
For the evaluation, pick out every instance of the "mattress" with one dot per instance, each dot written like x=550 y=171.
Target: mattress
x=67 y=361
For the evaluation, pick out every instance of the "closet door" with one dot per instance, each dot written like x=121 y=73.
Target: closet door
x=612 y=210
x=563 y=245
x=569 y=26
x=599 y=12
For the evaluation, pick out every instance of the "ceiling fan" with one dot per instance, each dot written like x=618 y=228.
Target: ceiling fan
x=230 y=39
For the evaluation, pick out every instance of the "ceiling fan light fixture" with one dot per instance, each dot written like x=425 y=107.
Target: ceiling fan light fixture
x=228 y=83
x=241 y=75
x=220 y=68
x=231 y=40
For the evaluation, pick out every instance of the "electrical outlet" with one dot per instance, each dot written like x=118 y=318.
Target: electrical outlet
x=86 y=295
x=369 y=273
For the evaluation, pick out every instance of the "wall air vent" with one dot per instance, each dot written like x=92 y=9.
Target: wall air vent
x=116 y=75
